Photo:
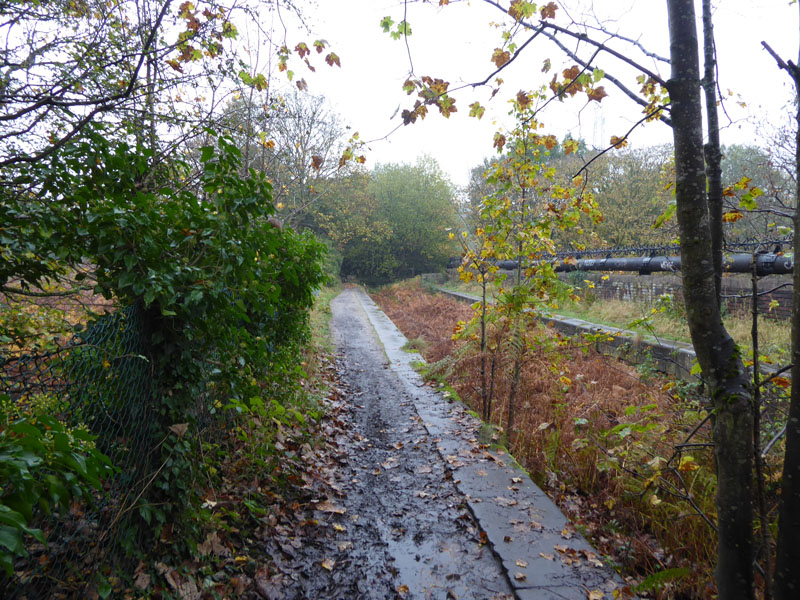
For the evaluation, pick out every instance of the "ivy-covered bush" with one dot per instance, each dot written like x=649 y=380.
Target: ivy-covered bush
x=225 y=288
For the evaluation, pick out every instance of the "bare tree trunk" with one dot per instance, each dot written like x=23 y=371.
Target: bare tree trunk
x=787 y=560
x=717 y=353
x=713 y=152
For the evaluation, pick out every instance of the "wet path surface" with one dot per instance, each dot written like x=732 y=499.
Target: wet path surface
x=410 y=513
x=416 y=507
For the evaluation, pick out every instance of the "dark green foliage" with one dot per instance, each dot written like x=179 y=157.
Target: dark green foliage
x=44 y=465
x=391 y=223
x=418 y=202
x=224 y=291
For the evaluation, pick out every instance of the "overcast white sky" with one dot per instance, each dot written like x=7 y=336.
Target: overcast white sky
x=456 y=42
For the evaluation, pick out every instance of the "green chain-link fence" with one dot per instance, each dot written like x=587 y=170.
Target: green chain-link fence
x=102 y=379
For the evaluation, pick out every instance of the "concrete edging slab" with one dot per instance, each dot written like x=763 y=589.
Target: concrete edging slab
x=543 y=557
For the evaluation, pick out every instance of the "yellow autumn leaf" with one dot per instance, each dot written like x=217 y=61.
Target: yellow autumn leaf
x=618 y=142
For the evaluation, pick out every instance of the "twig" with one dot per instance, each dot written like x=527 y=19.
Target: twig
x=764 y=293
x=622 y=139
x=405 y=36
x=7 y=289
x=776 y=374
x=772 y=442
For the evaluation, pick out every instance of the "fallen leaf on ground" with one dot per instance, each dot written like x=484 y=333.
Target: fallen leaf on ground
x=520 y=576
x=189 y=591
x=142 y=581
x=328 y=564
x=266 y=588
x=522 y=564
x=504 y=501
x=213 y=544
x=547 y=556
x=594 y=595
x=331 y=508
x=170 y=575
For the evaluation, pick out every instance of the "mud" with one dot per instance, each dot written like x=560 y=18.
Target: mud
x=410 y=513
x=411 y=504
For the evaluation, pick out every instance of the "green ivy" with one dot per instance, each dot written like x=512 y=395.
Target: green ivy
x=224 y=287
x=44 y=465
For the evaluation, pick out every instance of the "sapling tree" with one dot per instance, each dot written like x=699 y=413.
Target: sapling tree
x=477 y=265
x=519 y=219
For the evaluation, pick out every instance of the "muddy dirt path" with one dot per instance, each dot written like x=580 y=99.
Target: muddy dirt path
x=408 y=503
x=412 y=532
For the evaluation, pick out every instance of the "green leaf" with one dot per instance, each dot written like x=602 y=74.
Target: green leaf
x=206 y=153
x=12 y=517
x=748 y=200
x=7 y=563
x=666 y=215
x=11 y=539
x=103 y=588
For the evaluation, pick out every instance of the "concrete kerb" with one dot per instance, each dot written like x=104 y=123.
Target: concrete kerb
x=542 y=555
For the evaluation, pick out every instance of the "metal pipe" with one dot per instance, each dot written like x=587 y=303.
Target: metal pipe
x=766 y=264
